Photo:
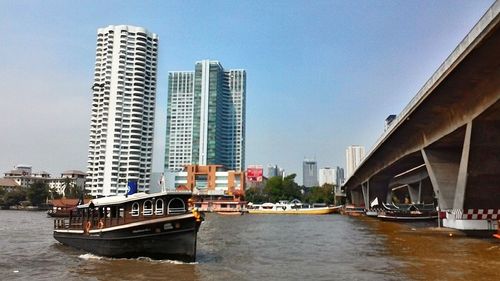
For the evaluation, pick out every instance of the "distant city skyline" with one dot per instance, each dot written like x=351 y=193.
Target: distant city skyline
x=362 y=61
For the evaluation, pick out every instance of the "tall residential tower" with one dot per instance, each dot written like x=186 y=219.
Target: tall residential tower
x=354 y=155
x=123 y=106
x=206 y=117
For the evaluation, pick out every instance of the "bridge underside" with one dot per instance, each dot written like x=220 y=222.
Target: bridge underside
x=447 y=148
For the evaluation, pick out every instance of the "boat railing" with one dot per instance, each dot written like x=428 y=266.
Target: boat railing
x=179 y=210
x=425 y=207
x=60 y=223
x=390 y=207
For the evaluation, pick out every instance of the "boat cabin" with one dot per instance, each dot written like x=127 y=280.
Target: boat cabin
x=118 y=210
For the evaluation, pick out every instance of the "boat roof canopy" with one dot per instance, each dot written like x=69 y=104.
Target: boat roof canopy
x=120 y=199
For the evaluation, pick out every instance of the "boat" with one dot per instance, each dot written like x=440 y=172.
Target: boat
x=221 y=206
x=224 y=213
x=61 y=208
x=284 y=207
x=408 y=212
x=371 y=213
x=352 y=210
x=158 y=226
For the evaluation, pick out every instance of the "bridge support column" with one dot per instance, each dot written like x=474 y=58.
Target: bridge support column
x=447 y=170
x=357 y=197
x=374 y=189
x=366 y=194
x=443 y=166
x=462 y=171
x=415 y=191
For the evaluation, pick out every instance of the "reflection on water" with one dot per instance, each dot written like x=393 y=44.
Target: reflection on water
x=253 y=247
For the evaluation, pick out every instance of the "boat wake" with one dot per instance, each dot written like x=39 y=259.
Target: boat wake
x=163 y=261
x=89 y=256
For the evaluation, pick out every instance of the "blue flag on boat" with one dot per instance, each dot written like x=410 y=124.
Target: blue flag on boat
x=131 y=187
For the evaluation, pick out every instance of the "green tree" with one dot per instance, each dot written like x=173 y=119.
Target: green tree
x=72 y=190
x=321 y=194
x=255 y=195
x=14 y=197
x=54 y=194
x=278 y=188
x=291 y=188
x=37 y=193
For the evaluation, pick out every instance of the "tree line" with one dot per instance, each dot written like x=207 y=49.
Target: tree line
x=278 y=188
x=37 y=194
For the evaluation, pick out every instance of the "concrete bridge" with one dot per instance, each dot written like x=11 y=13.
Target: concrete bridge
x=445 y=144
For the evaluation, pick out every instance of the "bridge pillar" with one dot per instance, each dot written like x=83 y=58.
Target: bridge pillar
x=458 y=203
x=365 y=187
x=374 y=189
x=357 y=197
x=483 y=171
x=415 y=191
x=447 y=168
x=443 y=165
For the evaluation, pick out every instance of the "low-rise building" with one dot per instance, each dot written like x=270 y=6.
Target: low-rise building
x=212 y=185
x=23 y=176
x=71 y=177
x=212 y=180
x=8 y=184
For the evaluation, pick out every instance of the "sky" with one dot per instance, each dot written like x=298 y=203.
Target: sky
x=321 y=75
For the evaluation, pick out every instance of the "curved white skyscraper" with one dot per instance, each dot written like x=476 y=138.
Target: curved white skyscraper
x=123 y=105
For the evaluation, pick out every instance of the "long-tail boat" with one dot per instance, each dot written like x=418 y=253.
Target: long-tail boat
x=408 y=212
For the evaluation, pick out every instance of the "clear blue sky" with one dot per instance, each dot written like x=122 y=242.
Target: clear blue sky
x=321 y=75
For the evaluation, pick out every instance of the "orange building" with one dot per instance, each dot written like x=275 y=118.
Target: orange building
x=214 y=187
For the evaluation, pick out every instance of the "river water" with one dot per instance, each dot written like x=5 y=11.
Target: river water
x=262 y=247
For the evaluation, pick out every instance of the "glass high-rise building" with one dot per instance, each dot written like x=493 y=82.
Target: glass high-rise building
x=123 y=107
x=206 y=117
x=310 y=173
x=339 y=176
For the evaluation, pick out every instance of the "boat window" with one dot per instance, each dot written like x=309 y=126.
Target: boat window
x=147 y=209
x=159 y=207
x=176 y=205
x=135 y=209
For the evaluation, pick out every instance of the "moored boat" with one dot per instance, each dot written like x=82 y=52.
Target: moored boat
x=352 y=210
x=408 y=212
x=294 y=207
x=159 y=226
x=61 y=208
